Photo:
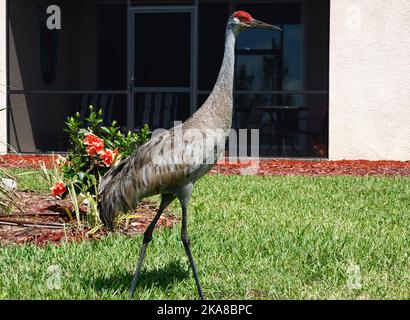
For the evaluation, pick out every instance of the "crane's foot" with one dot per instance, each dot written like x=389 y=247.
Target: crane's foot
x=198 y=285
x=132 y=293
x=133 y=286
x=139 y=266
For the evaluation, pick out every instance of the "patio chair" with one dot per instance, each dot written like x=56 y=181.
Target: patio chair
x=253 y=118
x=98 y=101
x=158 y=110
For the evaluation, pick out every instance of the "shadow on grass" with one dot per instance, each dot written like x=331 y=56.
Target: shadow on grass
x=161 y=278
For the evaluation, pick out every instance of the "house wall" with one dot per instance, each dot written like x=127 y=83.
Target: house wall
x=369 y=80
x=3 y=78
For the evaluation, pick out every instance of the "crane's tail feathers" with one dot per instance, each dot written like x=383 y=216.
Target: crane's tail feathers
x=110 y=198
x=107 y=214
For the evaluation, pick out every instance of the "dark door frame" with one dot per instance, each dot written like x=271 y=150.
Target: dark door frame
x=132 y=89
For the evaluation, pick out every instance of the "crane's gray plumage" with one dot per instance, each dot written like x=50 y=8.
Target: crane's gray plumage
x=139 y=176
x=171 y=162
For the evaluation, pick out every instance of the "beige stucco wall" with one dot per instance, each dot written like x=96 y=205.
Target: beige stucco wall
x=370 y=79
x=3 y=78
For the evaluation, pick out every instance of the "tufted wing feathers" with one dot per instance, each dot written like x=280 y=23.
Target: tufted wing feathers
x=162 y=165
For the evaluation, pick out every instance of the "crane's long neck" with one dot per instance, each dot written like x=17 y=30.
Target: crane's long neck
x=225 y=78
x=218 y=108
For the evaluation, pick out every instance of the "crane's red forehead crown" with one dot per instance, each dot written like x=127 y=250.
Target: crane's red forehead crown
x=243 y=14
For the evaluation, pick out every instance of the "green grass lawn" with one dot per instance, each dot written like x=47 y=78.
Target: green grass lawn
x=252 y=237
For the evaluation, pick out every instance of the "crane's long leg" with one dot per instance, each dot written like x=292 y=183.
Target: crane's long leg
x=186 y=242
x=165 y=202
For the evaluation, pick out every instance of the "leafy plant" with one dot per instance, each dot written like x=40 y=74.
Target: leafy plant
x=94 y=148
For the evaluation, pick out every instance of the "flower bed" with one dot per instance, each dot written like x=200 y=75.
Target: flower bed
x=43 y=219
x=266 y=167
x=93 y=149
x=25 y=161
x=319 y=168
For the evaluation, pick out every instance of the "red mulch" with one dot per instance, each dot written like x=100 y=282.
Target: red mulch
x=265 y=167
x=39 y=209
x=24 y=161
x=316 y=168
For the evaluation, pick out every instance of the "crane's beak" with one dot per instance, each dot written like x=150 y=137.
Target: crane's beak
x=262 y=25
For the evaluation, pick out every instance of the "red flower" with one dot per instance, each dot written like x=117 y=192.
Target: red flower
x=58 y=189
x=108 y=156
x=93 y=143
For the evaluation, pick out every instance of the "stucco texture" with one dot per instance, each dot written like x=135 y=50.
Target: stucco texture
x=369 y=80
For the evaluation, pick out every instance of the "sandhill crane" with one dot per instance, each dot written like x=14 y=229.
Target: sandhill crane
x=171 y=162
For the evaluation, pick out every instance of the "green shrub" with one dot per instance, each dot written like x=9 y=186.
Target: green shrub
x=94 y=149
